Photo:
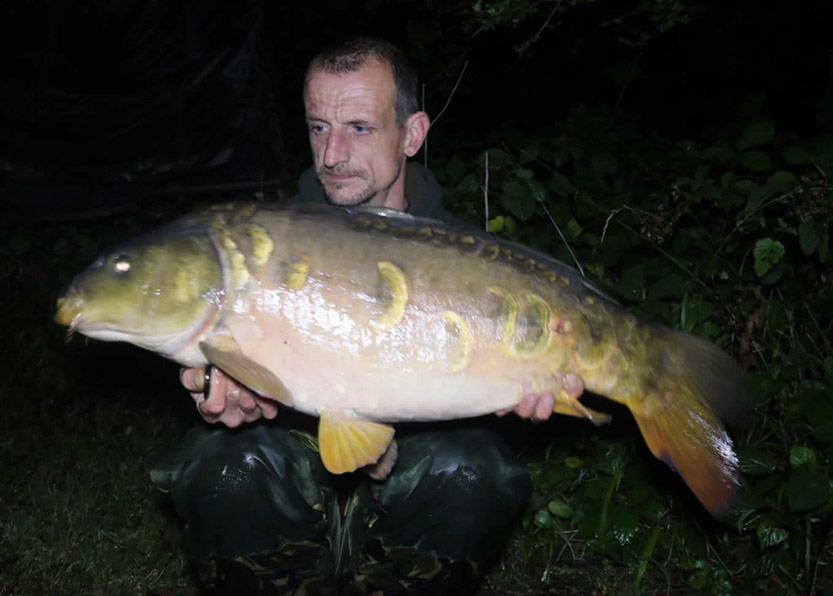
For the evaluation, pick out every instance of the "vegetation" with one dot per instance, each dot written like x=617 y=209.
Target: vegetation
x=720 y=225
x=729 y=240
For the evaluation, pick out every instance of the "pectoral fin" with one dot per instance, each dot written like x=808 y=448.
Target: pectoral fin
x=223 y=351
x=347 y=443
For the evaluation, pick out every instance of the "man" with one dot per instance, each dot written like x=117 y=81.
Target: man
x=262 y=516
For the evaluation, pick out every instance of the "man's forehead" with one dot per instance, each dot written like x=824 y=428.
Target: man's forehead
x=370 y=87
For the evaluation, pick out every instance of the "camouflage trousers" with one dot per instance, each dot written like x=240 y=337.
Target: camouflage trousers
x=262 y=515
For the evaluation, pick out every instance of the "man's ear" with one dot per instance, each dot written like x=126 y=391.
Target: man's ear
x=416 y=129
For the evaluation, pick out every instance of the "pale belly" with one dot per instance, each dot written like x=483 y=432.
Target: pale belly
x=431 y=365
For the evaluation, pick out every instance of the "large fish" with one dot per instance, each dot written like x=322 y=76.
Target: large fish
x=367 y=317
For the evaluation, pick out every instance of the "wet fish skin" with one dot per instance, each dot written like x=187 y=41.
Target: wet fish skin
x=366 y=317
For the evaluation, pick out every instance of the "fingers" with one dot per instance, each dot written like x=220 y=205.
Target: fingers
x=526 y=407
x=572 y=385
x=539 y=406
x=536 y=406
x=192 y=379
x=268 y=407
x=544 y=406
x=382 y=468
x=227 y=401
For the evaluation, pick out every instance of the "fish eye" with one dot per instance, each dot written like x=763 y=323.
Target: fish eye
x=121 y=264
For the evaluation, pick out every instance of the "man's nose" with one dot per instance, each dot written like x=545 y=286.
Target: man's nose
x=336 y=150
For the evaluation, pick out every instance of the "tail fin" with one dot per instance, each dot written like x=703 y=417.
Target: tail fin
x=680 y=418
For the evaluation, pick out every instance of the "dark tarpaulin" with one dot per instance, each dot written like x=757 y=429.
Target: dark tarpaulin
x=100 y=99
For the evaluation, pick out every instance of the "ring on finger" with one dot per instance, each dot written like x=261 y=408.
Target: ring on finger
x=206 y=383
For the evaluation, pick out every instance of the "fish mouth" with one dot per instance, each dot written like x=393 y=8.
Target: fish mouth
x=69 y=311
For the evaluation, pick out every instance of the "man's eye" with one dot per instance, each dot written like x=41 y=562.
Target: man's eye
x=316 y=129
x=361 y=129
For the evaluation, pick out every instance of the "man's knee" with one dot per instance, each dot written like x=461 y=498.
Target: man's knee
x=454 y=493
x=244 y=492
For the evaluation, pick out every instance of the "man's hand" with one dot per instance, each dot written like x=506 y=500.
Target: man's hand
x=539 y=406
x=228 y=402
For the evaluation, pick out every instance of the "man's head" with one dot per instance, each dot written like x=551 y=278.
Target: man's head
x=361 y=108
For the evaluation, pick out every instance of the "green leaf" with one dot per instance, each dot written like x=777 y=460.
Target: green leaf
x=781 y=181
x=797 y=156
x=560 y=185
x=808 y=238
x=746 y=187
x=537 y=188
x=769 y=536
x=595 y=489
x=802 y=456
x=756 y=134
x=468 y=184
x=774 y=274
x=499 y=159
x=536 y=500
x=756 y=161
x=776 y=315
x=669 y=286
x=456 y=168
x=604 y=163
x=823 y=431
x=530 y=151
x=524 y=173
x=767 y=253
x=718 y=154
x=632 y=282
x=560 y=509
x=624 y=525
x=542 y=518
x=806 y=491
x=755 y=462
x=496 y=224
x=511 y=228
x=574 y=228
x=518 y=199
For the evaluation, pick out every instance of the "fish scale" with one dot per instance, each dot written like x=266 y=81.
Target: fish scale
x=369 y=317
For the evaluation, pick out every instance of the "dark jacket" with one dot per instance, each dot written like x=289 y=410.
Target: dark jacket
x=422 y=192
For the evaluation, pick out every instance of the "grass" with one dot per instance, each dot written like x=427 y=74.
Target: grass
x=78 y=514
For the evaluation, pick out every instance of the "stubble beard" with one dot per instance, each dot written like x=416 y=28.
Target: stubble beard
x=364 y=196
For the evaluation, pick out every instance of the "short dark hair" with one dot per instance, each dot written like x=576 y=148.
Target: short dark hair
x=351 y=55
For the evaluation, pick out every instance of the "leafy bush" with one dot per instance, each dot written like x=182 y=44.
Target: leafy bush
x=729 y=240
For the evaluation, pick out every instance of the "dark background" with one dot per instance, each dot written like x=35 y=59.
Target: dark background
x=103 y=103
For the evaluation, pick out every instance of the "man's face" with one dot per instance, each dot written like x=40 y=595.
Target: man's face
x=358 y=148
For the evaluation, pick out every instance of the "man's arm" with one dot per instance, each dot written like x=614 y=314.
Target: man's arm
x=227 y=401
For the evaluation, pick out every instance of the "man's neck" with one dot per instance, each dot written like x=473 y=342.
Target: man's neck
x=395 y=196
x=398 y=202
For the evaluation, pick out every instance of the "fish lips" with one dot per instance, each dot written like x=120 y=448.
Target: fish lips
x=70 y=309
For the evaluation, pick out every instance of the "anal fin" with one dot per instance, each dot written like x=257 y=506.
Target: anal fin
x=347 y=443
x=223 y=352
x=567 y=403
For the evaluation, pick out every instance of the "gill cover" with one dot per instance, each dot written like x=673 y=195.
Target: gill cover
x=159 y=286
